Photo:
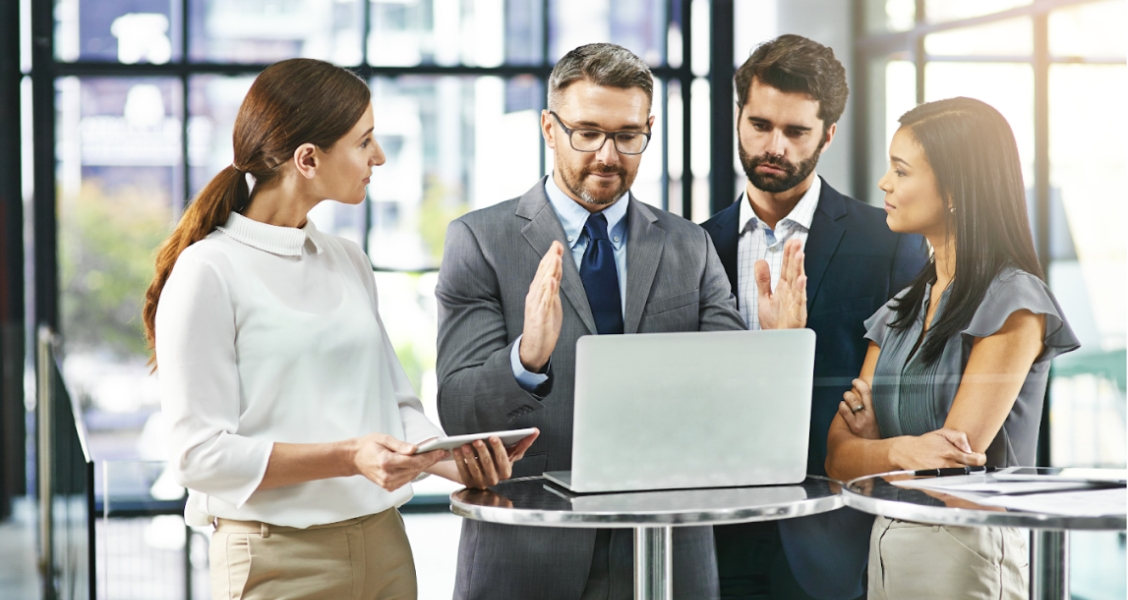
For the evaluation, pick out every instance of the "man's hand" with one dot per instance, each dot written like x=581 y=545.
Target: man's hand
x=391 y=463
x=934 y=450
x=786 y=308
x=856 y=410
x=543 y=313
x=481 y=465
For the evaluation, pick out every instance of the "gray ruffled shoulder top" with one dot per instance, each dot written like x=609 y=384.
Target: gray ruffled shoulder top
x=913 y=398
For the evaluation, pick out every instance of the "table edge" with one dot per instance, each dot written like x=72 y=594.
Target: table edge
x=966 y=517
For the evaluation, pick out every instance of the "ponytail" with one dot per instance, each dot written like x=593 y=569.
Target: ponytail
x=292 y=102
x=227 y=192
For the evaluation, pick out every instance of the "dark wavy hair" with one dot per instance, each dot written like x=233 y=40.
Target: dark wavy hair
x=974 y=157
x=794 y=64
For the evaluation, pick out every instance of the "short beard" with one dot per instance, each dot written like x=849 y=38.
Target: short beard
x=576 y=183
x=794 y=174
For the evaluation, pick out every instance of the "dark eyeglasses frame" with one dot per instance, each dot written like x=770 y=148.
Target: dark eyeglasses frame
x=612 y=135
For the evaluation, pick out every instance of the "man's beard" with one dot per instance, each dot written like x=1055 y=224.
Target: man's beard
x=602 y=197
x=793 y=174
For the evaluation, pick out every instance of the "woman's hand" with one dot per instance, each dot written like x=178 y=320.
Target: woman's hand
x=391 y=463
x=856 y=410
x=481 y=465
x=786 y=308
x=935 y=450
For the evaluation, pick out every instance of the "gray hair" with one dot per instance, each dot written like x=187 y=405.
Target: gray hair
x=603 y=64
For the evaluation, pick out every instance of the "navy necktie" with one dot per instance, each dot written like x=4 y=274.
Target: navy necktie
x=600 y=277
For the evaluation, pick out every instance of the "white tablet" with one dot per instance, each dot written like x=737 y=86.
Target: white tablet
x=508 y=438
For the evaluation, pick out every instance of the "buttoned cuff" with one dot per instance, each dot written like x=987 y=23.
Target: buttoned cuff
x=527 y=380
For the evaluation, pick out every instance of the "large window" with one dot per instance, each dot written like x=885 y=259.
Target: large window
x=145 y=95
x=1051 y=68
x=1056 y=71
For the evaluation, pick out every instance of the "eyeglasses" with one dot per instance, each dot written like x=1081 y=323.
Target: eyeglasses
x=591 y=140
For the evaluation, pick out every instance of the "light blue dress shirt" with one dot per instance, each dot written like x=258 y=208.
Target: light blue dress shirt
x=572 y=218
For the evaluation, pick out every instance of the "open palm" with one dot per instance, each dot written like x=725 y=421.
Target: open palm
x=786 y=307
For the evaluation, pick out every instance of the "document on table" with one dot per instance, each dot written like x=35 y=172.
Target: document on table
x=1086 y=503
x=1059 y=496
x=990 y=484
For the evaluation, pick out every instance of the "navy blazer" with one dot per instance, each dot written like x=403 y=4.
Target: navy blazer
x=854 y=265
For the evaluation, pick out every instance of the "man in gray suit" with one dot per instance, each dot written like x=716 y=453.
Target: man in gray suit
x=507 y=335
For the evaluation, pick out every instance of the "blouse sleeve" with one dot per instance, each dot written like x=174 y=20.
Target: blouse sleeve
x=416 y=426
x=878 y=324
x=1016 y=291
x=199 y=385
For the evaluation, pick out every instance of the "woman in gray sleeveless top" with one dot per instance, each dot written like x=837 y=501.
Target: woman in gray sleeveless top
x=958 y=362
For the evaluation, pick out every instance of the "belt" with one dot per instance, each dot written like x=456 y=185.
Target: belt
x=265 y=529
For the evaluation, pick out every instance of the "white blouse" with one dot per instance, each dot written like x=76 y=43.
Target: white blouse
x=272 y=334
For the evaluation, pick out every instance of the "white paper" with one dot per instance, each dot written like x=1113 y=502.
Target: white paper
x=990 y=484
x=1088 y=503
x=1049 y=495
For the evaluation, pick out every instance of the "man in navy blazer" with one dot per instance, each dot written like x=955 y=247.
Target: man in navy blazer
x=791 y=92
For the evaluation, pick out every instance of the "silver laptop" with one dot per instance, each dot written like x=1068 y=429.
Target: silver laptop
x=690 y=410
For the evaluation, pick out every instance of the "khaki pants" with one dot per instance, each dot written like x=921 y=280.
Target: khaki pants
x=365 y=558
x=911 y=560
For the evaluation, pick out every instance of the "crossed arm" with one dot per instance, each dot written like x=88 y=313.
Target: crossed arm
x=996 y=370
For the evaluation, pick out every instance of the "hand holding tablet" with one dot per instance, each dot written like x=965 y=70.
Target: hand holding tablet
x=483 y=459
x=508 y=438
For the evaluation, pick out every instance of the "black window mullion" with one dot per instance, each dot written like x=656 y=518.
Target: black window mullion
x=917 y=50
x=184 y=107
x=546 y=64
x=722 y=180
x=665 y=125
x=366 y=72
x=44 y=211
x=686 y=79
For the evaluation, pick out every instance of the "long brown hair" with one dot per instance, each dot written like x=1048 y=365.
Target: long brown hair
x=973 y=153
x=291 y=103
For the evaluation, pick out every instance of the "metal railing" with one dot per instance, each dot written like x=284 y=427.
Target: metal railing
x=115 y=536
x=65 y=478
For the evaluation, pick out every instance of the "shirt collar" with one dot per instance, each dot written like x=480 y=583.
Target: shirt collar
x=283 y=241
x=572 y=216
x=802 y=214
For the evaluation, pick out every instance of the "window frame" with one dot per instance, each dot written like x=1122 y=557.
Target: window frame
x=910 y=44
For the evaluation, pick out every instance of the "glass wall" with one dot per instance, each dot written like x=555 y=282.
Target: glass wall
x=1057 y=72
x=993 y=58
x=146 y=97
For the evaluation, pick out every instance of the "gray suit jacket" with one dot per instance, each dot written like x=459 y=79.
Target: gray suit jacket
x=675 y=282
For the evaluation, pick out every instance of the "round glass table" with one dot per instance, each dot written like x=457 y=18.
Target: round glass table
x=966 y=502
x=535 y=502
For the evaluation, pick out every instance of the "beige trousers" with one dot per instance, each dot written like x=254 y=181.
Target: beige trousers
x=366 y=558
x=911 y=560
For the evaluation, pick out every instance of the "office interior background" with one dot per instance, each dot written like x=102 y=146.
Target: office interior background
x=116 y=113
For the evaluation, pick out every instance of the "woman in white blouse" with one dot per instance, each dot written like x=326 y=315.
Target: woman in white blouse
x=292 y=423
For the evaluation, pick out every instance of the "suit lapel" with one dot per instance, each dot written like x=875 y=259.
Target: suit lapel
x=823 y=239
x=543 y=229
x=724 y=229
x=645 y=242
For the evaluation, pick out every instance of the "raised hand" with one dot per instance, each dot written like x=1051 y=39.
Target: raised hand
x=543 y=313
x=856 y=410
x=786 y=308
